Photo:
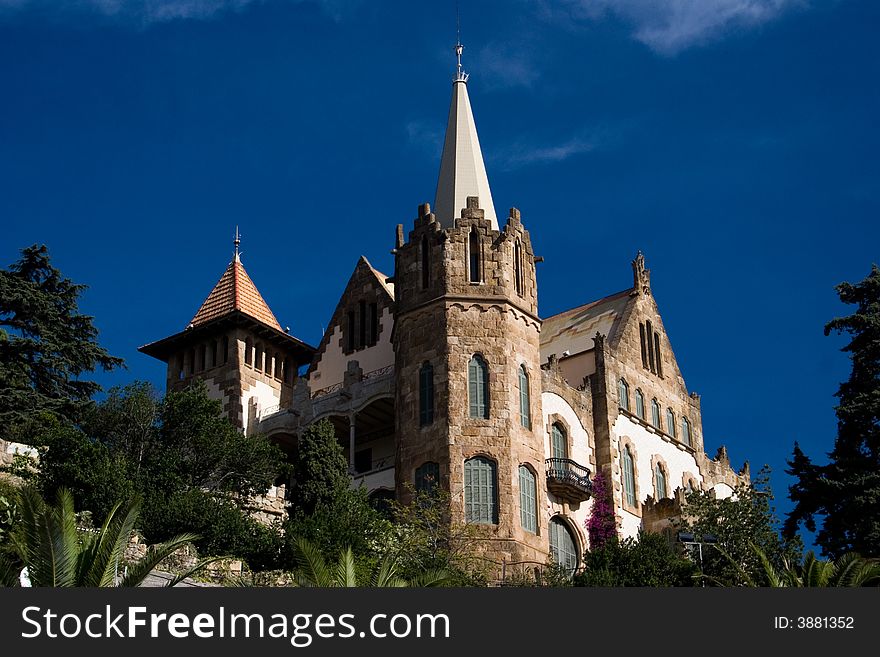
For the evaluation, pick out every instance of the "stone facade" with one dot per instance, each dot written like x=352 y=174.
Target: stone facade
x=394 y=374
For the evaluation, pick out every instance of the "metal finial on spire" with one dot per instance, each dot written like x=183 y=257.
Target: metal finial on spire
x=460 y=74
x=236 y=242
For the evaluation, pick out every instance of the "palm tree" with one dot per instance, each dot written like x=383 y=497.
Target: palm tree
x=849 y=570
x=314 y=571
x=48 y=550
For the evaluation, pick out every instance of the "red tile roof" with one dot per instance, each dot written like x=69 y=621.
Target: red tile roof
x=235 y=291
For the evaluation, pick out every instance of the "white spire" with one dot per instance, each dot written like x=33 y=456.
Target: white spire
x=462 y=171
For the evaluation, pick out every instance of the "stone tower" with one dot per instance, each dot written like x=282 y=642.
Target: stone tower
x=236 y=346
x=466 y=344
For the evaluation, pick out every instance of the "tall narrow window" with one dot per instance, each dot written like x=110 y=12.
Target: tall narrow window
x=480 y=491
x=517 y=267
x=657 y=353
x=629 y=478
x=649 y=331
x=181 y=372
x=427 y=477
x=374 y=324
x=426 y=263
x=670 y=422
x=655 y=413
x=558 y=441
x=563 y=547
x=478 y=387
x=525 y=416
x=278 y=367
x=258 y=357
x=475 y=274
x=269 y=363
x=640 y=404
x=643 y=345
x=286 y=376
x=202 y=356
x=426 y=394
x=225 y=349
x=248 y=352
x=660 y=481
x=362 y=319
x=528 y=507
x=192 y=361
x=213 y=353
x=686 y=432
x=350 y=341
x=623 y=394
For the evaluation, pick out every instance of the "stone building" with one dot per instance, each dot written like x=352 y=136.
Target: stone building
x=444 y=374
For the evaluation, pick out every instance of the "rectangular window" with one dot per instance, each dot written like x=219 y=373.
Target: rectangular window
x=426 y=395
x=350 y=333
x=527 y=503
x=362 y=316
x=649 y=331
x=642 y=344
x=657 y=353
x=374 y=323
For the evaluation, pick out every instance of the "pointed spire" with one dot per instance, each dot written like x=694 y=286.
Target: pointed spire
x=235 y=291
x=462 y=170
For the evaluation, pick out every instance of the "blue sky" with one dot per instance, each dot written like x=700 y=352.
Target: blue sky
x=733 y=141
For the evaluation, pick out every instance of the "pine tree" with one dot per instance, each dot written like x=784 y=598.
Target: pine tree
x=845 y=493
x=46 y=345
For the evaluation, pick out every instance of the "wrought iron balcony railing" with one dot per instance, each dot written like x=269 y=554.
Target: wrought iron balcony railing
x=568 y=479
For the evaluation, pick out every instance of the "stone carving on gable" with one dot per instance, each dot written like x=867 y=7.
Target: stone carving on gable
x=641 y=276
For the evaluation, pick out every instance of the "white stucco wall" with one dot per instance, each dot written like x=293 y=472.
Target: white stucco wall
x=580 y=450
x=648 y=444
x=722 y=491
x=331 y=368
x=264 y=395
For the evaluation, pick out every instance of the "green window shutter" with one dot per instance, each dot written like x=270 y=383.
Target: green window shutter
x=563 y=547
x=670 y=422
x=629 y=482
x=478 y=388
x=623 y=393
x=640 y=404
x=559 y=442
x=661 y=483
x=524 y=399
x=480 y=495
x=527 y=502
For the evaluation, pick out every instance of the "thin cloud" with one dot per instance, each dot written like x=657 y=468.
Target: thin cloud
x=671 y=26
x=505 y=66
x=426 y=136
x=148 y=12
x=520 y=155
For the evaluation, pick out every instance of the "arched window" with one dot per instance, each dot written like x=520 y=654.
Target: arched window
x=670 y=422
x=426 y=263
x=427 y=477
x=426 y=394
x=660 y=481
x=686 y=431
x=655 y=413
x=528 y=493
x=478 y=387
x=629 y=477
x=640 y=404
x=525 y=415
x=623 y=394
x=563 y=546
x=475 y=259
x=517 y=267
x=558 y=441
x=480 y=491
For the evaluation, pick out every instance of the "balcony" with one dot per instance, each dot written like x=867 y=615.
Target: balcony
x=568 y=480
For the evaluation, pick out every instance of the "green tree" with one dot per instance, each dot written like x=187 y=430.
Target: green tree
x=46 y=345
x=850 y=570
x=313 y=571
x=646 y=561
x=51 y=551
x=844 y=493
x=325 y=510
x=737 y=522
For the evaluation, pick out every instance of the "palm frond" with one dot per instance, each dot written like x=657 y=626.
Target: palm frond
x=138 y=572
x=312 y=569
